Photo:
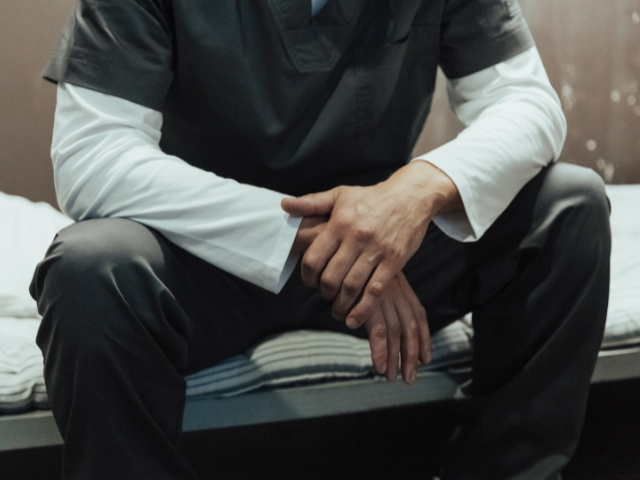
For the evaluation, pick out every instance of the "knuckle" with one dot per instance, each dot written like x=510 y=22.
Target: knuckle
x=394 y=254
x=411 y=356
x=413 y=328
x=375 y=258
x=376 y=289
x=342 y=218
x=379 y=333
x=309 y=264
x=378 y=343
x=351 y=286
x=363 y=233
x=329 y=283
x=377 y=353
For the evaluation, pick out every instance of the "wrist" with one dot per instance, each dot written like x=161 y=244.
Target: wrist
x=439 y=194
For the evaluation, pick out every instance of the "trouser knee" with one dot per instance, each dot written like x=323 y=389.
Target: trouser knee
x=579 y=210
x=99 y=280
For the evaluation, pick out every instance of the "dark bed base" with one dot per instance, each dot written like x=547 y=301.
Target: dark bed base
x=38 y=429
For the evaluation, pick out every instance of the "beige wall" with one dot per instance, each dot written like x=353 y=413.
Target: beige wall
x=28 y=29
x=591 y=49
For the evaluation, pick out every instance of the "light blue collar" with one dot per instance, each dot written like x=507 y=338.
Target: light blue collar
x=316 y=6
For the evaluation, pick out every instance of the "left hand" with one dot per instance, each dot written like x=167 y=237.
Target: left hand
x=371 y=234
x=398 y=330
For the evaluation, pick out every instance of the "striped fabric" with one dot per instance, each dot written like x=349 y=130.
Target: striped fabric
x=21 y=381
x=290 y=358
x=305 y=356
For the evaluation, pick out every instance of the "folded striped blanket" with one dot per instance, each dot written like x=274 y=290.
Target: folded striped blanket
x=290 y=358
x=305 y=356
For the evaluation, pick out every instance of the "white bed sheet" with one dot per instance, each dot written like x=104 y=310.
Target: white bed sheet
x=623 y=317
x=21 y=381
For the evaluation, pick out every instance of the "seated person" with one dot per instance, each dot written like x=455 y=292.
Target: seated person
x=239 y=169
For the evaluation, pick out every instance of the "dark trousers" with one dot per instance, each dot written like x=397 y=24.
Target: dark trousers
x=126 y=314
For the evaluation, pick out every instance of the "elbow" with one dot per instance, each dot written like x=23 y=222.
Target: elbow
x=70 y=204
x=557 y=128
x=71 y=207
x=70 y=188
x=548 y=122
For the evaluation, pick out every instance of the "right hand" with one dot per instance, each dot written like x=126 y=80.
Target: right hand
x=371 y=234
x=398 y=331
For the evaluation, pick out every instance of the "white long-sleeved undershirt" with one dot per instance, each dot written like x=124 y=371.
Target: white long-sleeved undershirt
x=514 y=127
x=108 y=163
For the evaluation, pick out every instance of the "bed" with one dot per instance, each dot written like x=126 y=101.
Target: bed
x=292 y=376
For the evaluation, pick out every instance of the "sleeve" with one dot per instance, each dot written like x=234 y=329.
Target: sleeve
x=107 y=163
x=476 y=34
x=106 y=43
x=515 y=127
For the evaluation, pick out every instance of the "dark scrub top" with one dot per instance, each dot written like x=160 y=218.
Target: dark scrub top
x=261 y=91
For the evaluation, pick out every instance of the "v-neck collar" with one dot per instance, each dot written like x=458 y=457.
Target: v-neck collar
x=316 y=43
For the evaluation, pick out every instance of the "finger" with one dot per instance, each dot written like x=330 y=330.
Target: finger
x=410 y=342
x=394 y=333
x=317 y=256
x=421 y=316
x=352 y=287
x=311 y=222
x=377 y=330
x=308 y=231
x=313 y=204
x=336 y=270
x=371 y=295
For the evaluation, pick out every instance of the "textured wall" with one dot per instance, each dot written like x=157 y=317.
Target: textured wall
x=28 y=29
x=591 y=49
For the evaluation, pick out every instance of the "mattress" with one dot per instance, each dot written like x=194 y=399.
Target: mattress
x=293 y=358
x=623 y=316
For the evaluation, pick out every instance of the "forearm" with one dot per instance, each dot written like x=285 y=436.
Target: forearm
x=107 y=163
x=515 y=126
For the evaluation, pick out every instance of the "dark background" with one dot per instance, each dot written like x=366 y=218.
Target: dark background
x=400 y=444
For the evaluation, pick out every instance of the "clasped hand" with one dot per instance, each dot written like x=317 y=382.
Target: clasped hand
x=356 y=240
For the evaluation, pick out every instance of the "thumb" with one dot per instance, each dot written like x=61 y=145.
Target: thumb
x=312 y=204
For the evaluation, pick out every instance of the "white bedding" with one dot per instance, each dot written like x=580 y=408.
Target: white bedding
x=623 y=317
x=21 y=382
x=28 y=229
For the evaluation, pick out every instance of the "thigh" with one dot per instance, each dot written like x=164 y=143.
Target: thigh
x=453 y=278
x=231 y=315
x=100 y=266
x=220 y=314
